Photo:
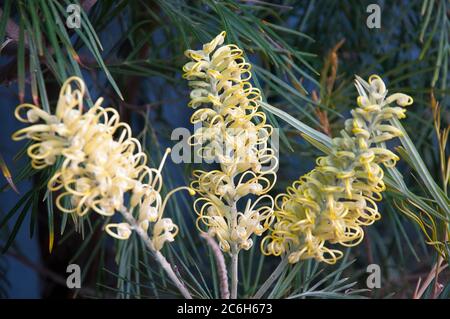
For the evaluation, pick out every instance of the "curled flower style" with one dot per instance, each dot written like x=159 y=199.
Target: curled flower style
x=235 y=134
x=331 y=203
x=100 y=163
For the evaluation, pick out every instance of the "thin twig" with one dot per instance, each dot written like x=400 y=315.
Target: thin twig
x=234 y=256
x=421 y=290
x=158 y=256
x=221 y=266
x=234 y=271
x=436 y=290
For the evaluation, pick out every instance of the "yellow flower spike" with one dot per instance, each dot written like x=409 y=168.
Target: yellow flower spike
x=332 y=202
x=236 y=135
x=228 y=110
x=101 y=162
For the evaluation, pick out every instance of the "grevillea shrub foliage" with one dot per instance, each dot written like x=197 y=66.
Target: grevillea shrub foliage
x=100 y=168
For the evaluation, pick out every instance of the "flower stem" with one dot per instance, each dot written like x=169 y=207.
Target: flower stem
x=276 y=273
x=234 y=271
x=234 y=255
x=158 y=256
x=221 y=266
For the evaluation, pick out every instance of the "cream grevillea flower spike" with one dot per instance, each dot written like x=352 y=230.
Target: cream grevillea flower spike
x=331 y=203
x=100 y=163
x=235 y=134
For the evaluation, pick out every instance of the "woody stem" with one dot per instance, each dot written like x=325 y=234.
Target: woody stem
x=158 y=256
x=234 y=256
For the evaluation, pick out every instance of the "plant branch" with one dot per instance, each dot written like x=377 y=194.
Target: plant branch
x=234 y=271
x=221 y=266
x=234 y=256
x=420 y=290
x=158 y=256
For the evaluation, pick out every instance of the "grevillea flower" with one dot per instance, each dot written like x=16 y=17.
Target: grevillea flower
x=100 y=163
x=331 y=203
x=234 y=133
